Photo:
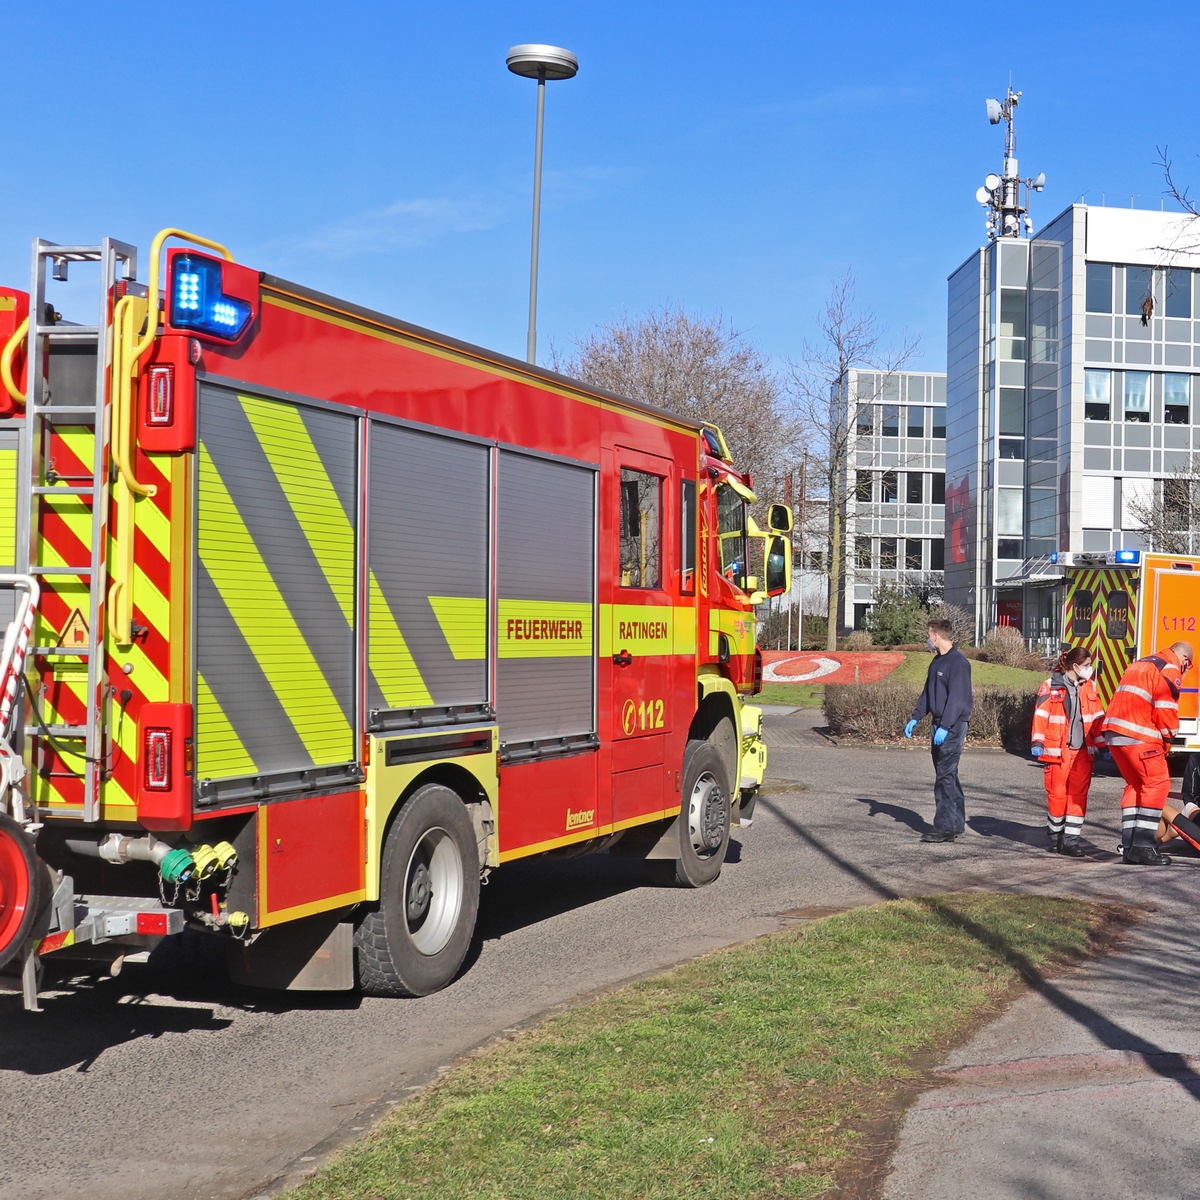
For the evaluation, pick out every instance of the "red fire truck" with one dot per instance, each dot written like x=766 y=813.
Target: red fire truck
x=313 y=617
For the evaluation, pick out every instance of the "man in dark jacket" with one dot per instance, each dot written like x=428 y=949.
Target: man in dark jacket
x=947 y=699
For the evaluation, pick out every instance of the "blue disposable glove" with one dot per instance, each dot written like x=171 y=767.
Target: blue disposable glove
x=909 y=728
x=940 y=735
x=1037 y=750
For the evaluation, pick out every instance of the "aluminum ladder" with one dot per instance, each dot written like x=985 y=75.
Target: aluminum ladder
x=40 y=485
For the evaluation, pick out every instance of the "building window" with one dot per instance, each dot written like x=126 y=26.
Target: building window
x=916 y=421
x=1099 y=287
x=1177 y=398
x=938 y=488
x=816 y=560
x=887 y=554
x=1178 y=287
x=862 y=486
x=1012 y=323
x=891 y=420
x=915 y=491
x=937 y=554
x=939 y=422
x=1010 y=517
x=1137 y=396
x=1012 y=422
x=862 y=553
x=1138 y=282
x=866 y=418
x=912 y=554
x=888 y=487
x=1097 y=395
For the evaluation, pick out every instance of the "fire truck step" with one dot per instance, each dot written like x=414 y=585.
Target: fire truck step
x=58 y=731
x=61 y=570
x=69 y=333
x=61 y=651
x=59 y=490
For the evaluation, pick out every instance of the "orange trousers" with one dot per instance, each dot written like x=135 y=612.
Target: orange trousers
x=1147 y=786
x=1067 y=784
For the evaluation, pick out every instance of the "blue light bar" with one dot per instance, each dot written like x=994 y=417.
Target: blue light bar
x=1125 y=558
x=198 y=302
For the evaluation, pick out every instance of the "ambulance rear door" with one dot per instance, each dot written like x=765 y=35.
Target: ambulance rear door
x=1171 y=613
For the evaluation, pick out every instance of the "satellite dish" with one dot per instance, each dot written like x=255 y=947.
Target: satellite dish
x=1039 y=182
x=983 y=196
x=994 y=111
x=991 y=182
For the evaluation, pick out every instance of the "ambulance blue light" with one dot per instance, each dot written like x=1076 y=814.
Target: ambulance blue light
x=199 y=304
x=1127 y=557
x=1053 y=557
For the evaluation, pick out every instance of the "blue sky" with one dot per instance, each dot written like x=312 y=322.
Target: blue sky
x=733 y=160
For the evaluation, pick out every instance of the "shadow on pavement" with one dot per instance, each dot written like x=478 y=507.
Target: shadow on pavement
x=1164 y=1063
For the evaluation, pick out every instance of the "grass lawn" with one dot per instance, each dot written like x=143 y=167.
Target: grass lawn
x=751 y=1072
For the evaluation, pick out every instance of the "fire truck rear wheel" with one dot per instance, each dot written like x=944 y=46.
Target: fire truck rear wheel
x=414 y=941
x=22 y=890
x=705 y=815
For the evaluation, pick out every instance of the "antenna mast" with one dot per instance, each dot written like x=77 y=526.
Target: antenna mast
x=1001 y=195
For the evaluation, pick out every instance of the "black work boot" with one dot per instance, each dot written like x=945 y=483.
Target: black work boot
x=1054 y=842
x=1145 y=856
x=1071 y=847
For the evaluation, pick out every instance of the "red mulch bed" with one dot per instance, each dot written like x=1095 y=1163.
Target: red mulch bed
x=872 y=665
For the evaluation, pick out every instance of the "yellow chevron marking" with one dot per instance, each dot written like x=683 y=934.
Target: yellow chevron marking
x=235 y=759
x=463 y=621
x=305 y=482
x=8 y=507
x=392 y=662
x=261 y=611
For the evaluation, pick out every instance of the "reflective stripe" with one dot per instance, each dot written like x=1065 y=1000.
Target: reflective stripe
x=1059 y=720
x=1131 y=725
x=1166 y=704
x=1137 y=691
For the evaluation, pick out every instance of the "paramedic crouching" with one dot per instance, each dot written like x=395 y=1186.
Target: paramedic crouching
x=947 y=699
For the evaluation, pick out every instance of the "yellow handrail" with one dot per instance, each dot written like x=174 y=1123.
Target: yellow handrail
x=128 y=349
x=6 y=361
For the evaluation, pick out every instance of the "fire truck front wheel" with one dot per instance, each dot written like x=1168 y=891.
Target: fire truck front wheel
x=705 y=815
x=21 y=890
x=414 y=941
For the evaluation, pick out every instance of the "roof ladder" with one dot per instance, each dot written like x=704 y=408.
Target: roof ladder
x=61 y=509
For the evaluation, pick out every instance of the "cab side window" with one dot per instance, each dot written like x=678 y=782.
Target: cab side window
x=640 y=526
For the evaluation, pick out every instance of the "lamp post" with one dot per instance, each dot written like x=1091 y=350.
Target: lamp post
x=540 y=63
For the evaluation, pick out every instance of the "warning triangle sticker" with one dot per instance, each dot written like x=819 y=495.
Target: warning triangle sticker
x=75 y=631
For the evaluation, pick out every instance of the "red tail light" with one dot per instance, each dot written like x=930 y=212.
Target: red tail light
x=165 y=779
x=160 y=403
x=158 y=760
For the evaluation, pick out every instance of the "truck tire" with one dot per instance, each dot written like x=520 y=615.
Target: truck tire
x=414 y=940
x=704 y=816
x=22 y=893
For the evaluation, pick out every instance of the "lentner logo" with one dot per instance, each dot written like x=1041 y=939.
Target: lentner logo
x=580 y=819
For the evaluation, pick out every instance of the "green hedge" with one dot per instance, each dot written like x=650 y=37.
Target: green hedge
x=878 y=712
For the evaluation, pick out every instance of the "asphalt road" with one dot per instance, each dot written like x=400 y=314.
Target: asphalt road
x=168 y=1081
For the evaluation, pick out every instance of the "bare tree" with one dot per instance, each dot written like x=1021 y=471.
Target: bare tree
x=697 y=367
x=848 y=337
x=1168 y=511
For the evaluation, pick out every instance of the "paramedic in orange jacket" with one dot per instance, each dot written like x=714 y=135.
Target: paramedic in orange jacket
x=1066 y=736
x=1141 y=721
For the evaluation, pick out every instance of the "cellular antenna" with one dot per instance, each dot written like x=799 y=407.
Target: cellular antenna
x=1001 y=195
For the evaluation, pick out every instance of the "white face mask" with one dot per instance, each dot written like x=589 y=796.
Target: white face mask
x=932 y=645
x=1083 y=674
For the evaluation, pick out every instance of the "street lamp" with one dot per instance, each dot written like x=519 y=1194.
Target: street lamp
x=540 y=63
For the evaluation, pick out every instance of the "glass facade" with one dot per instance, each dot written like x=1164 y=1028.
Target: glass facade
x=1072 y=360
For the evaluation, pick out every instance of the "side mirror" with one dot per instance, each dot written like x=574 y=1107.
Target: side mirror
x=778 y=568
x=779 y=518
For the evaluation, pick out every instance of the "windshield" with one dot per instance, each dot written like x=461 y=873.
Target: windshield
x=731 y=534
